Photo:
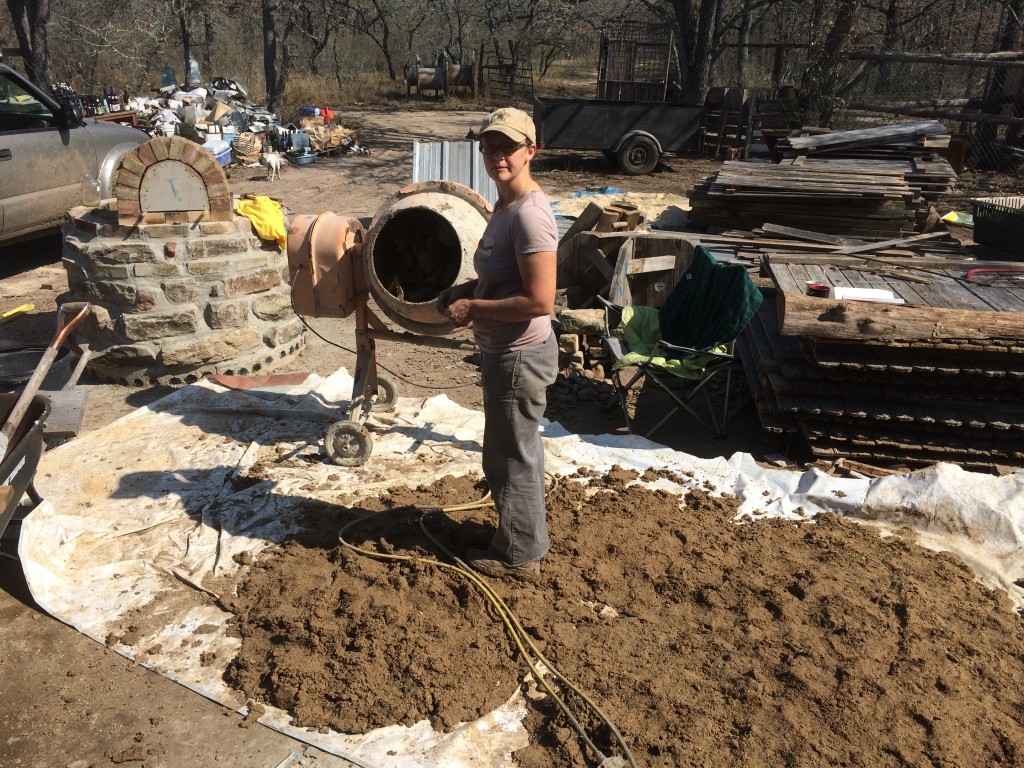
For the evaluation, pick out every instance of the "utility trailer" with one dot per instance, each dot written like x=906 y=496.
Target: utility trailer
x=634 y=135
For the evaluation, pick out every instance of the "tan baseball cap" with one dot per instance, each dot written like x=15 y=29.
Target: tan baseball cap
x=512 y=122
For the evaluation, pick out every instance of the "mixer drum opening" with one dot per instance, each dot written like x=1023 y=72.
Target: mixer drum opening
x=416 y=255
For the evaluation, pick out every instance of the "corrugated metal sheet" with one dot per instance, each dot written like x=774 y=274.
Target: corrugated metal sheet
x=458 y=161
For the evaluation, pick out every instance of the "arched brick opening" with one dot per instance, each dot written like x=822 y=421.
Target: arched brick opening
x=182 y=286
x=171 y=180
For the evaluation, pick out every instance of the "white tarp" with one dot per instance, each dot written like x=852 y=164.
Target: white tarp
x=139 y=513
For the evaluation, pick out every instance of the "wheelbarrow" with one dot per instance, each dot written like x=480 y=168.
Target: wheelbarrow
x=23 y=417
x=18 y=468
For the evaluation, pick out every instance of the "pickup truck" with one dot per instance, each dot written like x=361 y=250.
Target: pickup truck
x=632 y=134
x=46 y=149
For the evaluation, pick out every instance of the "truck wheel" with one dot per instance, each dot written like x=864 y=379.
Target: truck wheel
x=638 y=156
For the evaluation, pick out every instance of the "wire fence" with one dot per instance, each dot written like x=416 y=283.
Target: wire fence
x=983 y=105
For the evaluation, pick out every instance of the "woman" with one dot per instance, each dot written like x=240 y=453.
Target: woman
x=509 y=304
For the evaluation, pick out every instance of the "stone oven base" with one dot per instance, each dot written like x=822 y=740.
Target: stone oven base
x=241 y=366
x=176 y=302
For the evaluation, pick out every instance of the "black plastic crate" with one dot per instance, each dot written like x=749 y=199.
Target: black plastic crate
x=999 y=223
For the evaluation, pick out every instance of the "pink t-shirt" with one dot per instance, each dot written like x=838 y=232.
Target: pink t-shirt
x=525 y=226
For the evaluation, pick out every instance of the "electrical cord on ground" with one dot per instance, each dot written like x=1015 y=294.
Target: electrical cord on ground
x=315 y=332
x=527 y=648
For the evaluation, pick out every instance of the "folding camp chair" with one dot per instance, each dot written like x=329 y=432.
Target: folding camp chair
x=686 y=344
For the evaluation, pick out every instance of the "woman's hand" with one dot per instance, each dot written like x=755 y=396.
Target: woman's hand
x=453 y=294
x=460 y=312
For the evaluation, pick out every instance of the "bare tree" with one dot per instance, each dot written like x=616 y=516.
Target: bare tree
x=31 y=19
x=278 y=27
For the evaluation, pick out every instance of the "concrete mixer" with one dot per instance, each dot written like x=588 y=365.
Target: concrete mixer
x=420 y=242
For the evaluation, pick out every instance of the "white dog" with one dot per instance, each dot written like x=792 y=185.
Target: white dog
x=273 y=161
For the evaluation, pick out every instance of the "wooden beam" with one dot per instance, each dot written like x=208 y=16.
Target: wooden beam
x=969 y=117
x=1002 y=59
x=801 y=315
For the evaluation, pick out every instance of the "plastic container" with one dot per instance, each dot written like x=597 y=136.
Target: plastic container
x=220 y=150
x=91 y=190
x=306 y=158
x=999 y=223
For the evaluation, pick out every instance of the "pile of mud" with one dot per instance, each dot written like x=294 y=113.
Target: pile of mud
x=706 y=642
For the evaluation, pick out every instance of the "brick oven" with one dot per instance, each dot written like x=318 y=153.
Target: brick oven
x=183 y=286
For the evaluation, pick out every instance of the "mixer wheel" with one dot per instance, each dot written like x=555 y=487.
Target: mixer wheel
x=387 y=394
x=348 y=444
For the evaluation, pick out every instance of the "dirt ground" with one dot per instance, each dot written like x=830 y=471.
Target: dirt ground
x=723 y=645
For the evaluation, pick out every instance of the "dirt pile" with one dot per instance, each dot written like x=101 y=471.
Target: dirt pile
x=707 y=642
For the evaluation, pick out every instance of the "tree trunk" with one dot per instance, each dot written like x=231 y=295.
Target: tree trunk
x=209 y=33
x=889 y=40
x=31 y=20
x=742 y=52
x=270 y=51
x=821 y=75
x=695 y=35
x=186 y=43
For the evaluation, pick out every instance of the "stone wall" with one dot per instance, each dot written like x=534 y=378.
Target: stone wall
x=176 y=302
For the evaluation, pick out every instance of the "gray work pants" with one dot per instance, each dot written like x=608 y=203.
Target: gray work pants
x=515 y=395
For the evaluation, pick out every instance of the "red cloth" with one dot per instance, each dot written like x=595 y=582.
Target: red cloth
x=327 y=115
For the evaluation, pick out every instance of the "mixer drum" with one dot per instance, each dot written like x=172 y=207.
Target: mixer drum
x=419 y=243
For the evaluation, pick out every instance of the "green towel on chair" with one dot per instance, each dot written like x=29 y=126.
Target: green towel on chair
x=641 y=332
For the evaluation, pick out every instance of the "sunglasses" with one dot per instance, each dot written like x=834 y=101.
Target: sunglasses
x=502 y=149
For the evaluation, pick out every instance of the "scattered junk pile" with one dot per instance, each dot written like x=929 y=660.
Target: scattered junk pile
x=221 y=117
x=882 y=339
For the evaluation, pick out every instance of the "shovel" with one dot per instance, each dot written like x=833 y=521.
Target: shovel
x=21 y=406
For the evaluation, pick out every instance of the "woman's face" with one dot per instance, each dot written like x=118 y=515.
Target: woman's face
x=504 y=158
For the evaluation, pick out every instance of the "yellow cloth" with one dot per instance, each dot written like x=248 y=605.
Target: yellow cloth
x=266 y=216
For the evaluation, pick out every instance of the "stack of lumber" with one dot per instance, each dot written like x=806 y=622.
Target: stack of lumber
x=928 y=177
x=937 y=378
x=873 y=182
x=812 y=196
x=899 y=141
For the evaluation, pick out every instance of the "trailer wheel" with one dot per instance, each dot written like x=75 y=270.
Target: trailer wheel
x=638 y=156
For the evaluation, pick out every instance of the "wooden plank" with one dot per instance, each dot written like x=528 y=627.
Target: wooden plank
x=814 y=237
x=651 y=264
x=619 y=293
x=599 y=260
x=585 y=221
x=885 y=243
x=67 y=409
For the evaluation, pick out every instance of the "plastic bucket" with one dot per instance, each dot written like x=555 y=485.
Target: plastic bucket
x=17 y=364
